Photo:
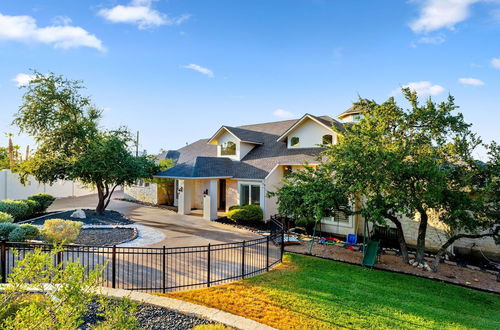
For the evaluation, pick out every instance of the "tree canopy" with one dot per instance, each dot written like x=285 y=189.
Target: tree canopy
x=413 y=161
x=70 y=143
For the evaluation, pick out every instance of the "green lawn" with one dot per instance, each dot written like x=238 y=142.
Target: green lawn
x=316 y=293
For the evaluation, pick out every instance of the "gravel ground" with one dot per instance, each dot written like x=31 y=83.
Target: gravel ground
x=153 y=317
x=108 y=218
x=105 y=236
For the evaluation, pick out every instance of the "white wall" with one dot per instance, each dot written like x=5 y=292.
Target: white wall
x=11 y=187
x=242 y=148
x=310 y=134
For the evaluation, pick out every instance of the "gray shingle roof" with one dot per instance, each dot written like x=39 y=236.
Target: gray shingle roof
x=199 y=159
x=355 y=109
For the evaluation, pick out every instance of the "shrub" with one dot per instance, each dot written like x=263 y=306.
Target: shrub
x=61 y=231
x=17 y=235
x=245 y=213
x=5 y=229
x=19 y=210
x=5 y=217
x=31 y=231
x=72 y=291
x=33 y=207
x=44 y=200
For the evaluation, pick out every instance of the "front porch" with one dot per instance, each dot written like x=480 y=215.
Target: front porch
x=209 y=198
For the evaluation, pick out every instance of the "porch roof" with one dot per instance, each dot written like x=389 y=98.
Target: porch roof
x=201 y=167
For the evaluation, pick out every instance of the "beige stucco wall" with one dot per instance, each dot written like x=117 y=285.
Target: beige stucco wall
x=272 y=183
x=232 y=195
x=310 y=134
x=12 y=188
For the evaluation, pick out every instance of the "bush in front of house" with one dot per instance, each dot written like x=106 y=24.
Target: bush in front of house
x=61 y=231
x=5 y=217
x=44 y=200
x=19 y=210
x=5 y=229
x=245 y=213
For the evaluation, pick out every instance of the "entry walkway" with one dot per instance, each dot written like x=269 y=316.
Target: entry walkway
x=179 y=230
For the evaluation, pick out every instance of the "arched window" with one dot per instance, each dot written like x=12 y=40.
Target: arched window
x=327 y=139
x=228 y=149
x=294 y=141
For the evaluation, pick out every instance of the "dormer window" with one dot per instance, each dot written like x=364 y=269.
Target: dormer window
x=357 y=117
x=327 y=139
x=228 y=149
x=294 y=141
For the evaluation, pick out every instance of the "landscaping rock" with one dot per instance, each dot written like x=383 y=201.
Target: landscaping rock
x=151 y=317
x=78 y=214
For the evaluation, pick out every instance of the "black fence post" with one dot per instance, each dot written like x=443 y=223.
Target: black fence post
x=208 y=265
x=113 y=267
x=3 y=271
x=282 y=244
x=267 y=253
x=164 y=282
x=243 y=260
x=59 y=258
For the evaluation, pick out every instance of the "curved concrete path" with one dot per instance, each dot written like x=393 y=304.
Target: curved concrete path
x=179 y=230
x=184 y=307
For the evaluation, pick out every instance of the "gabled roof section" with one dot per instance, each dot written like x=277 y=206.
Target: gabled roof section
x=325 y=121
x=356 y=109
x=202 y=167
x=243 y=135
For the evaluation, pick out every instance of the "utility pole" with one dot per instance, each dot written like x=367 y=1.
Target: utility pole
x=137 y=145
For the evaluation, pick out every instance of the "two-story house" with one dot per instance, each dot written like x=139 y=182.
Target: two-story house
x=239 y=165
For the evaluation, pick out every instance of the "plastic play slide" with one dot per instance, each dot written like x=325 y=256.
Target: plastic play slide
x=370 y=256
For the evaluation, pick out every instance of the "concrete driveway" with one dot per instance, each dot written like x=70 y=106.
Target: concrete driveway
x=179 y=230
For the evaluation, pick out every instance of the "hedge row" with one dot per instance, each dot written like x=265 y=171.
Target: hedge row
x=25 y=208
x=17 y=233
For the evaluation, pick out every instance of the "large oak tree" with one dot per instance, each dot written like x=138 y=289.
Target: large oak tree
x=70 y=145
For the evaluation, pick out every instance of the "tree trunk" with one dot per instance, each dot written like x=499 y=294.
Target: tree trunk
x=441 y=252
x=101 y=194
x=422 y=231
x=401 y=237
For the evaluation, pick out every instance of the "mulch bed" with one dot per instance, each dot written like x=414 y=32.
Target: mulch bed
x=480 y=279
x=256 y=227
x=108 y=218
x=152 y=317
x=105 y=236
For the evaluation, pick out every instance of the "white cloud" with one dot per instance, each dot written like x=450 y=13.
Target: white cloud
x=140 y=13
x=281 y=113
x=200 y=69
x=471 y=81
x=438 y=14
x=495 y=62
x=423 y=88
x=22 y=79
x=25 y=29
x=62 y=20
x=432 y=40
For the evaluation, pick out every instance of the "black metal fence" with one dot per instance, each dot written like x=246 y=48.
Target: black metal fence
x=163 y=269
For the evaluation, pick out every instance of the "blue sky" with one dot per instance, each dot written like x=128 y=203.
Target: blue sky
x=176 y=70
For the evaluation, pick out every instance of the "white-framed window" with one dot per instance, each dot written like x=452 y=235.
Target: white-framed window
x=250 y=193
x=327 y=139
x=339 y=218
x=228 y=149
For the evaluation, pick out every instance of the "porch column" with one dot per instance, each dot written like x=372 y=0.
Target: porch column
x=184 y=202
x=210 y=201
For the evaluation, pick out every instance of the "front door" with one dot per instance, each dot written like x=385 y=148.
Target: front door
x=222 y=194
